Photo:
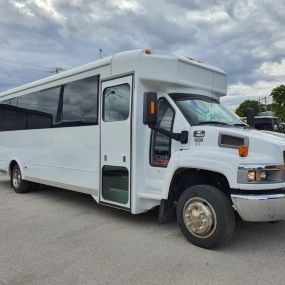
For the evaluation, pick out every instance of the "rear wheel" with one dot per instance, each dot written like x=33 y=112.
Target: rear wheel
x=18 y=184
x=205 y=216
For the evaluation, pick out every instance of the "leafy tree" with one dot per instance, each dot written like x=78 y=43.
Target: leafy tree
x=255 y=105
x=278 y=105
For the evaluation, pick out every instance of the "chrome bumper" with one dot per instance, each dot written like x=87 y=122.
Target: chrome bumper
x=260 y=208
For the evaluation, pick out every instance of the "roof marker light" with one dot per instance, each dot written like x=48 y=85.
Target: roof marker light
x=148 y=51
x=196 y=60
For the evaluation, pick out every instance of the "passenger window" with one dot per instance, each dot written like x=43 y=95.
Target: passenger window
x=31 y=111
x=80 y=100
x=161 y=144
x=11 y=119
x=116 y=103
x=40 y=107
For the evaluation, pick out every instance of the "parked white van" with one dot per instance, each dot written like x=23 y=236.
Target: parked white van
x=142 y=129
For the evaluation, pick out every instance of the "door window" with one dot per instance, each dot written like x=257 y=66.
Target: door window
x=161 y=144
x=116 y=103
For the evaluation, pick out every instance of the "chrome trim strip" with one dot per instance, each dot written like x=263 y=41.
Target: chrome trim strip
x=259 y=197
x=275 y=167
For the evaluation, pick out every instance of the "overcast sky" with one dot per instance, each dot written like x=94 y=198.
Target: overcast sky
x=245 y=38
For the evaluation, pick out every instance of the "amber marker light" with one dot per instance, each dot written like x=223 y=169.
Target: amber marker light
x=148 y=51
x=152 y=108
x=243 y=150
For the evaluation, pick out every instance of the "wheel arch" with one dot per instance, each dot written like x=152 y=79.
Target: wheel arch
x=14 y=162
x=186 y=177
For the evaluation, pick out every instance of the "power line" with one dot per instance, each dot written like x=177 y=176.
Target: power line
x=13 y=60
x=25 y=64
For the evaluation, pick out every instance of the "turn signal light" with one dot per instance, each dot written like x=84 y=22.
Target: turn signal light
x=243 y=150
x=152 y=107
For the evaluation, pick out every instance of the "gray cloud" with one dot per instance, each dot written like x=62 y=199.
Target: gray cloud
x=238 y=36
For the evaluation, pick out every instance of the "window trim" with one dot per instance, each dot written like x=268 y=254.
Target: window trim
x=153 y=132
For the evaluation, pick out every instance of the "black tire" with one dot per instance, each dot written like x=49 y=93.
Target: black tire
x=18 y=184
x=211 y=203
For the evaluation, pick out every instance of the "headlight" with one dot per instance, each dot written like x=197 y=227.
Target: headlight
x=260 y=174
x=256 y=175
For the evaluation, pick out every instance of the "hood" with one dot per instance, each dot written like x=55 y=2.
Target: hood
x=264 y=146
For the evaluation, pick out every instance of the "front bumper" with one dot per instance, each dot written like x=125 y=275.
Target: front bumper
x=260 y=208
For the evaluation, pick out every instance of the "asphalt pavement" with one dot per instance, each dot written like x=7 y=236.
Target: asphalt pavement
x=55 y=236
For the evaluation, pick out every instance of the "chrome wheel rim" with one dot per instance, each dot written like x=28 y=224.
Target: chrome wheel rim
x=16 y=178
x=199 y=217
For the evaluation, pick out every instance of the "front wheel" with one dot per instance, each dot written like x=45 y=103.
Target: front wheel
x=18 y=184
x=205 y=216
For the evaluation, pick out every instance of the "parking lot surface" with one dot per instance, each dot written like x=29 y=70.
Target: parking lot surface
x=54 y=236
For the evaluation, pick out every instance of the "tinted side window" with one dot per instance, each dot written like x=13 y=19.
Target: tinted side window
x=161 y=144
x=116 y=103
x=11 y=119
x=31 y=111
x=43 y=104
x=80 y=100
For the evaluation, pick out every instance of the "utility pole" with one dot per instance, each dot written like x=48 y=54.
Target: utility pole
x=100 y=52
x=265 y=104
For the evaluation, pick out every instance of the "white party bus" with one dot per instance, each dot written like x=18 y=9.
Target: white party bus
x=142 y=129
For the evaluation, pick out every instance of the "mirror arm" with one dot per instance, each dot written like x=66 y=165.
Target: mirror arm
x=181 y=137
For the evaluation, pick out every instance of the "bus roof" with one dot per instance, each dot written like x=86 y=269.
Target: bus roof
x=134 y=60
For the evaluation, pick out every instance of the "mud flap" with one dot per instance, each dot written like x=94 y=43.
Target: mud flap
x=166 y=212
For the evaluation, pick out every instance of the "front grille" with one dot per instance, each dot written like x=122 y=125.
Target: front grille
x=227 y=140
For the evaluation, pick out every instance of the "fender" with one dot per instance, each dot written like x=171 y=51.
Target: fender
x=204 y=161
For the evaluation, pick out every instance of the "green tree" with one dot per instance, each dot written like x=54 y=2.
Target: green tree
x=278 y=98
x=255 y=105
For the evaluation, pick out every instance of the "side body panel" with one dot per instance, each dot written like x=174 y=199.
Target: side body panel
x=66 y=157
x=63 y=157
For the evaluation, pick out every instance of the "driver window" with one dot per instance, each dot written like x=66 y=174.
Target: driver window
x=161 y=144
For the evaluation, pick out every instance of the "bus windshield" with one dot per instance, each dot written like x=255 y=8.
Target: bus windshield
x=200 y=110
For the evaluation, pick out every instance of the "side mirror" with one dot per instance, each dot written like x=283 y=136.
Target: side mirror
x=276 y=128
x=150 y=108
x=250 y=117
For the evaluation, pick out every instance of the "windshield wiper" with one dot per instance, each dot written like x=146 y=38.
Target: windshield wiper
x=243 y=125
x=212 y=123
